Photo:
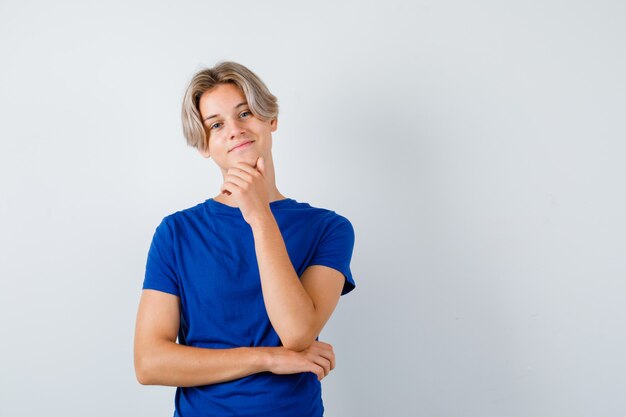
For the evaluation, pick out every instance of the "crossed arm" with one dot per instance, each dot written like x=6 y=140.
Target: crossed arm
x=298 y=310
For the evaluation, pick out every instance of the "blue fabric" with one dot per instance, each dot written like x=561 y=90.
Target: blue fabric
x=205 y=255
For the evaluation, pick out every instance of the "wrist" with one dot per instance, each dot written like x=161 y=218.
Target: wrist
x=263 y=221
x=264 y=359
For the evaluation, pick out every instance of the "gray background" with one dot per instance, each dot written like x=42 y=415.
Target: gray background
x=477 y=148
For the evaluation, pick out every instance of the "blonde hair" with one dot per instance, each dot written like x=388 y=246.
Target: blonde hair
x=261 y=102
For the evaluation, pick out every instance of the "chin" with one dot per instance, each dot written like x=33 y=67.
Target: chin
x=249 y=158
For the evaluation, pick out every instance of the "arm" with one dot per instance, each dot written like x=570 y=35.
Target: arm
x=159 y=360
x=297 y=308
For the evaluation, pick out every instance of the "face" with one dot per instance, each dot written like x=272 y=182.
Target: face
x=228 y=123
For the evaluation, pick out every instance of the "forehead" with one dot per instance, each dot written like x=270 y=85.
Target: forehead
x=221 y=98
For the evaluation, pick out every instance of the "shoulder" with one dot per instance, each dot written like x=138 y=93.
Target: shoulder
x=174 y=225
x=328 y=218
x=177 y=219
x=332 y=215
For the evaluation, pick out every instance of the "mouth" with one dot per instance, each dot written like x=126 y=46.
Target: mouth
x=241 y=145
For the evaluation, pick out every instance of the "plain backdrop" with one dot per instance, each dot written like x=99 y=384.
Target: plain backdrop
x=476 y=147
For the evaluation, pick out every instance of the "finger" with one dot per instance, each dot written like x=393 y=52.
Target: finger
x=240 y=182
x=240 y=173
x=229 y=187
x=327 y=365
x=319 y=342
x=321 y=346
x=319 y=371
x=327 y=345
x=247 y=168
x=324 y=363
x=329 y=355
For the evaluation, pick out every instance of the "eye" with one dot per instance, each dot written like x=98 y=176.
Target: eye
x=245 y=113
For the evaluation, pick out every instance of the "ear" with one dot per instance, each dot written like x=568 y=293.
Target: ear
x=274 y=124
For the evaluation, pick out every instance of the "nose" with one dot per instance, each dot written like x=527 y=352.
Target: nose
x=236 y=129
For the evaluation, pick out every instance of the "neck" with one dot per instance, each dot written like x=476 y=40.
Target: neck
x=274 y=195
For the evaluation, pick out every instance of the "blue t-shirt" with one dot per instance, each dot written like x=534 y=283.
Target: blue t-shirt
x=206 y=256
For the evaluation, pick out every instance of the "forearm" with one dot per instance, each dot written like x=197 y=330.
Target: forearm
x=288 y=305
x=172 y=364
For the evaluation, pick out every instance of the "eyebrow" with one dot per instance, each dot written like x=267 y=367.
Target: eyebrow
x=243 y=103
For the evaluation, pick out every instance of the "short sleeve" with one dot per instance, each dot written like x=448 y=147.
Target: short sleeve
x=335 y=249
x=160 y=267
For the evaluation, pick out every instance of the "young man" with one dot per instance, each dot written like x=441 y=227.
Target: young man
x=247 y=279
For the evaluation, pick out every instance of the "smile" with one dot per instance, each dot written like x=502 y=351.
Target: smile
x=242 y=146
